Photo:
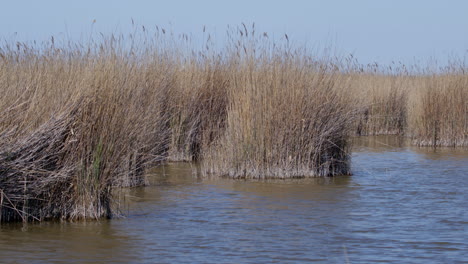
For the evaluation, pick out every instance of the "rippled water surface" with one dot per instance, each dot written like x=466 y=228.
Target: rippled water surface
x=402 y=205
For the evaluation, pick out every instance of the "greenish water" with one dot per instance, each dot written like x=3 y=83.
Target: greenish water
x=402 y=205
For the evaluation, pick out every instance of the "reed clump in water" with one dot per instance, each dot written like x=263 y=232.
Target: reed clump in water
x=439 y=110
x=427 y=105
x=288 y=116
x=73 y=126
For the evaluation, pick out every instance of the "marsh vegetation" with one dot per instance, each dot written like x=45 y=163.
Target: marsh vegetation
x=79 y=120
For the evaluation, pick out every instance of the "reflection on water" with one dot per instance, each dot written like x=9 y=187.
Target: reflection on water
x=402 y=204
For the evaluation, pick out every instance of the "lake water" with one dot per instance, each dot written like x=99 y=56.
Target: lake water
x=402 y=205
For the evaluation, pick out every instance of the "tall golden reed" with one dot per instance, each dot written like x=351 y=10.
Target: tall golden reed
x=80 y=120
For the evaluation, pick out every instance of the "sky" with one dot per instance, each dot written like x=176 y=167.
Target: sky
x=379 y=31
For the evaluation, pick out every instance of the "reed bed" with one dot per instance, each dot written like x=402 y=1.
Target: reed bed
x=439 y=111
x=73 y=126
x=79 y=121
x=197 y=106
x=385 y=101
x=289 y=115
x=429 y=106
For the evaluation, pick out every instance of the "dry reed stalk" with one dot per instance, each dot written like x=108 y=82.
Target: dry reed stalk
x=197 y=109
x=385 y=100
x=59 y=161
x=439 y=111
x=286 y=118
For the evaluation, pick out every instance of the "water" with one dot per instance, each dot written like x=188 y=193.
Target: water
x=402 y=204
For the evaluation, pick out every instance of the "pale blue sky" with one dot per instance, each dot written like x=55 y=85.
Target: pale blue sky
x=374 y=30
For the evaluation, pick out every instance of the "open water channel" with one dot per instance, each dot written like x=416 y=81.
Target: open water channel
x=402 y=205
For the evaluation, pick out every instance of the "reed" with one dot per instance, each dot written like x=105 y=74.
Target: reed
x=428 y=105
x=197 y=106
x=73 y=127
x=439 y=111
x=80 y=120
x=288 y=116
x=384 y=98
